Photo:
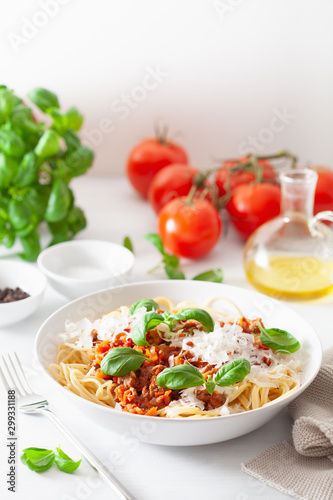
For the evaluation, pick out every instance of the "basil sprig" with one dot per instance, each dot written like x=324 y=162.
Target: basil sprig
x=152 y=319
x=40 y=459
x=121 y=361
x=278 y=340
x=185 y=376
x=149 y=304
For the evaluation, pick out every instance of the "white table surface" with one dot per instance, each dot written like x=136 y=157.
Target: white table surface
x=150 y=472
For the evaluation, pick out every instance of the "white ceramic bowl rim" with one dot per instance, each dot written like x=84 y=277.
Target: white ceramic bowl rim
x=71 y=280
x=34 y=271
x=278 y=402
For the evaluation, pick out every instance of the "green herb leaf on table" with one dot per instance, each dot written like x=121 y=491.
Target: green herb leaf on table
x=64 y=462
x=149 y=304
x=37 y=459
x=180 y=377
x=121 y=361
x=170 y=263
x=148 y=321
x=232 y=372
x=278 y=340
x=127 y=243
x=215 y=275
x=173 y=273
x=156 y=240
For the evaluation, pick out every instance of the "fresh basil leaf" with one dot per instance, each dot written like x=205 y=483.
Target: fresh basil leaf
x=11 y=143
x=8 y=170
x=149 y=304
x=27 y=173
x=7 y=102
x=233 y=372
x=59 y=201
x=37 y=459
x=31 y=246
x=48 y=145
x=121 y=361
x=278 y=340
x=64 y=462
x=174 y=274
x=43 y=98
x=170 y=260
x=156 y=240
x=79 y=160
x=215 y=275
x=139 y=331
x=180 y=377
x=128 y=244
x=71 y=120
x=197 y=314
x=23 y=124
x=71 y=139
x=210 y=385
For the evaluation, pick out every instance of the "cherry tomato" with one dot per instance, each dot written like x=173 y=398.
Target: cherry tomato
x=251 y=205
x=324 y=189
x=148 y=157
x=170 y=182
x=189 y=229
x=241 y=177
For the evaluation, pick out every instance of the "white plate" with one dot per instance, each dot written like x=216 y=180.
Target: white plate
x=179 y=431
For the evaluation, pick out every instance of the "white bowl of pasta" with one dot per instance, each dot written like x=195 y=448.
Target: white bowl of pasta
x=201 y=364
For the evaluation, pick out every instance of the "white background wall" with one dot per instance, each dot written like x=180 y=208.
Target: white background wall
x=226 y=70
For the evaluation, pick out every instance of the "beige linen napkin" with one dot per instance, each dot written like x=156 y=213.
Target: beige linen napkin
x=303 y=466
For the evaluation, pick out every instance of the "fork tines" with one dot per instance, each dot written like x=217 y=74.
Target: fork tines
x=13 y=376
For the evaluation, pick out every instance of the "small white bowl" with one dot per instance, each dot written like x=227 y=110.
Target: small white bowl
x=79 y=267
x=26 y=276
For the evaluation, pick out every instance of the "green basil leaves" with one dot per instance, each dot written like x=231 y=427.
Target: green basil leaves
x=197 y=314
x=121 y=361
x=64 y=462
x=40 y=459
x=233 y=372
x=214 y=275
x=180 y=377
x=278 y=340
x=37 y=459
x=185 y=376
x=149 y=304
x=152 y=319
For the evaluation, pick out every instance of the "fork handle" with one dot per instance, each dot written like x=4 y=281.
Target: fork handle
x=90 y=457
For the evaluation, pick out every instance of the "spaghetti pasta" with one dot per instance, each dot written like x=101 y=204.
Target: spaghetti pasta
x=77 y=366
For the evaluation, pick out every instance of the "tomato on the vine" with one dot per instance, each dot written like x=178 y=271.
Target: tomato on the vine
x=225 y=176
x=170 y=182
x=324 y=189
x=150 y=156
x=189 y=228
x=251 y=205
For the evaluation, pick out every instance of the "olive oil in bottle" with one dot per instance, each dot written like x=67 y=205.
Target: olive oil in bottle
x=291 y=256
x=292 y=277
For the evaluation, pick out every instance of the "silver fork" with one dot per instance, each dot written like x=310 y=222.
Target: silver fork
x=34 y=403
